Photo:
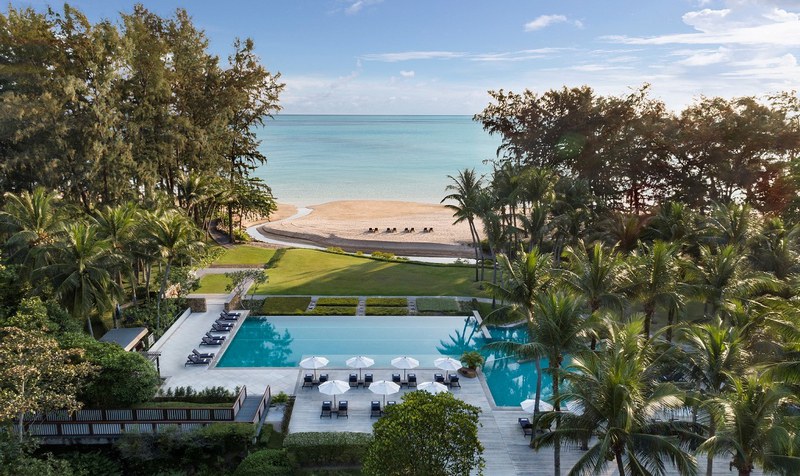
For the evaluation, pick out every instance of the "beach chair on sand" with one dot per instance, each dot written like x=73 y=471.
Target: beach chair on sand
x=326 y=410
x=308 y=380
x=353 y=380
x=527 y=427
x=342 y=409
x=375 y=409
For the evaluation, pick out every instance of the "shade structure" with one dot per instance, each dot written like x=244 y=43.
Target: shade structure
x=334 y=387
x=359 y=362
x=447 y=363
x=383 y=387
x=432 y=387
x=528 y=405
x=405 y=363
x=314 y=362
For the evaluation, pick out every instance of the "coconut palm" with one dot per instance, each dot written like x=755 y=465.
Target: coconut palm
x=32 y=223
x=622 y=230
x=173 y=236
x=80 y=272
x=776 y=249
x=673 y=222
x=466 y=188
x=653 y=280
x=753 y=429
x=714 y=355
x=595 y=274
x=619 y=391
x=523 y=279
x=730 y=225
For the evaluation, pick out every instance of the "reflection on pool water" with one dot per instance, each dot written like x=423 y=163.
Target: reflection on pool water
x=282 y=341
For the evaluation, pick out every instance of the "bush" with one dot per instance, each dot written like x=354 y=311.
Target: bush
x=437 y=305
x=190 y=395
x=335 y=249
x=241 y=236
x=333 y=311
x=387 y=311
x=387 y=302
x=94 y=463
x=265 y=462
x=285 y=306
x=327 y=448
x=282 y=397
x=333 y=301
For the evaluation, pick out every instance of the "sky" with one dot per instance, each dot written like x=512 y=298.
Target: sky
x=442 y=56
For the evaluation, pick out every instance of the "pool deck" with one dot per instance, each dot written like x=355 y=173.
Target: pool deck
x=506 y=450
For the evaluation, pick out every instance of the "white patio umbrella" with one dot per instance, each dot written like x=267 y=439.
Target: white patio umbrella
x=359 y=362
x=405 y=363
x=314 y=362
x=447 y=363
x=432 y=387
x=574 y=407
x=383 y=387
x=334 y=387
x=528 y=405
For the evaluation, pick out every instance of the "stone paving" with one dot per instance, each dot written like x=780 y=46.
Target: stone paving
x=505 y=448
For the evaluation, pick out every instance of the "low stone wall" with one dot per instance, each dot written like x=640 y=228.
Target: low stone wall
x=197 y=304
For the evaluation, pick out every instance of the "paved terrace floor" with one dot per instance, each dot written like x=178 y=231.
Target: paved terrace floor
x=505 y=448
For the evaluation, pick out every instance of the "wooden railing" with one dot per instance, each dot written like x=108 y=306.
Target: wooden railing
x=263 y=405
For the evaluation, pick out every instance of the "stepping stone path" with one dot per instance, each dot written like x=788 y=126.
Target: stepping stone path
x=312 y=304
x=361 y=309
x=412 y=306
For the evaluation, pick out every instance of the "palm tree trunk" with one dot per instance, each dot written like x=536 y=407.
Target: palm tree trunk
x=670 y=319
x=538 y=365
x=89 y=325
x=712 y=430
x=649 y=309
x=161 y=293
x=474 y=236
x=620 y=466
x=556 y=407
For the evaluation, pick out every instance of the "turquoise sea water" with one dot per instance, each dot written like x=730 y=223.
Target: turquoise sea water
x=285 y=341
x=317 y=159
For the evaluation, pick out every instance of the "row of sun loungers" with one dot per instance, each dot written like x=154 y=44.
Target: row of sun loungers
x=341 y=410
x=451 y=380
x=405 y=230
x=225 y=323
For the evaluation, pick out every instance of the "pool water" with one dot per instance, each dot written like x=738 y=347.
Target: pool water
x=283 y=341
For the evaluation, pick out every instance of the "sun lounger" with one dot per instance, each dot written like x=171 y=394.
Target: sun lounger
x=203 y=355
x=375 y=409
x=228 y=317
x=527 y=427
x=353 y=380
x=389 y=404
x=195 y=360
x=412 y=380
x=411 y=230
x=438 y=378
x=207 y=341
x=367 y=380
x=223 y=322
x=342 y=409
x=323 y=378
x=396 y=379
x=219 y=328
x=454 y=381
x=326 y=410
x=235 y=314
x=211 y=336
x=308 y=380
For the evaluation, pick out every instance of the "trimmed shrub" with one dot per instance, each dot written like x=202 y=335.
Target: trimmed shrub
x=335 y=249
x=437 y=304
x=265 y=462
x=386 y=311
x=285 y=306
x=333 y=311
x=387 y=302
x=327 y=448
x=334 y=301
x=191 y=395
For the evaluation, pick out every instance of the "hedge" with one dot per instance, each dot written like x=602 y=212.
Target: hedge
x=387 y=302
x=265 y=462
x=285 y=306
x=333 y=311
x=437 y=304
x=334 y=301
x=328 y=448
x=386 y=311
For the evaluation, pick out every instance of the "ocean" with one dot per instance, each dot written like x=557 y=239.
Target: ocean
x=322 y=158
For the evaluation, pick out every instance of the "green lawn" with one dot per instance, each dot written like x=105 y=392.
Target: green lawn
x=245 y=255
x=309 y=272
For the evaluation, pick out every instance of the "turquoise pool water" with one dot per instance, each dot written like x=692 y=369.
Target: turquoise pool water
x=278 y=341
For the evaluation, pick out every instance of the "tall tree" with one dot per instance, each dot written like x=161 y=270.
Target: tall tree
x=32 y=223
x=465 y=188
x=654 y=280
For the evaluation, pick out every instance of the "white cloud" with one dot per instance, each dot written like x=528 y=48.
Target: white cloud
x=407 y=74
x=780 y=15
x=706 y=20
x=704 y=57
x=412 y=55
x=358 y=5
x=544 y=21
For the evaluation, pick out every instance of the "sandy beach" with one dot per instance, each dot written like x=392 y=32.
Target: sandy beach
x=346 y=224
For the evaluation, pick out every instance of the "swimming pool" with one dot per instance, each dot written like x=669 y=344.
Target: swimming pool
x=282 y=341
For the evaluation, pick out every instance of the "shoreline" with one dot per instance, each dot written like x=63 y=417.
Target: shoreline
x=346 y=224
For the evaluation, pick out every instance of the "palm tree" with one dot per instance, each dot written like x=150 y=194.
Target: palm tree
x=174 y=236
x=32 y=223
x=753 y=429
x=80 y=272
x=493 y=228
x=653 y=280
x=594 y=274
x=730 y=225
x=674 y=222
x=618 y=391
x=466 y=187
x=714 y=355
x=118 y=225
x=622 y=230
x=523 y=279
x=776 y=249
